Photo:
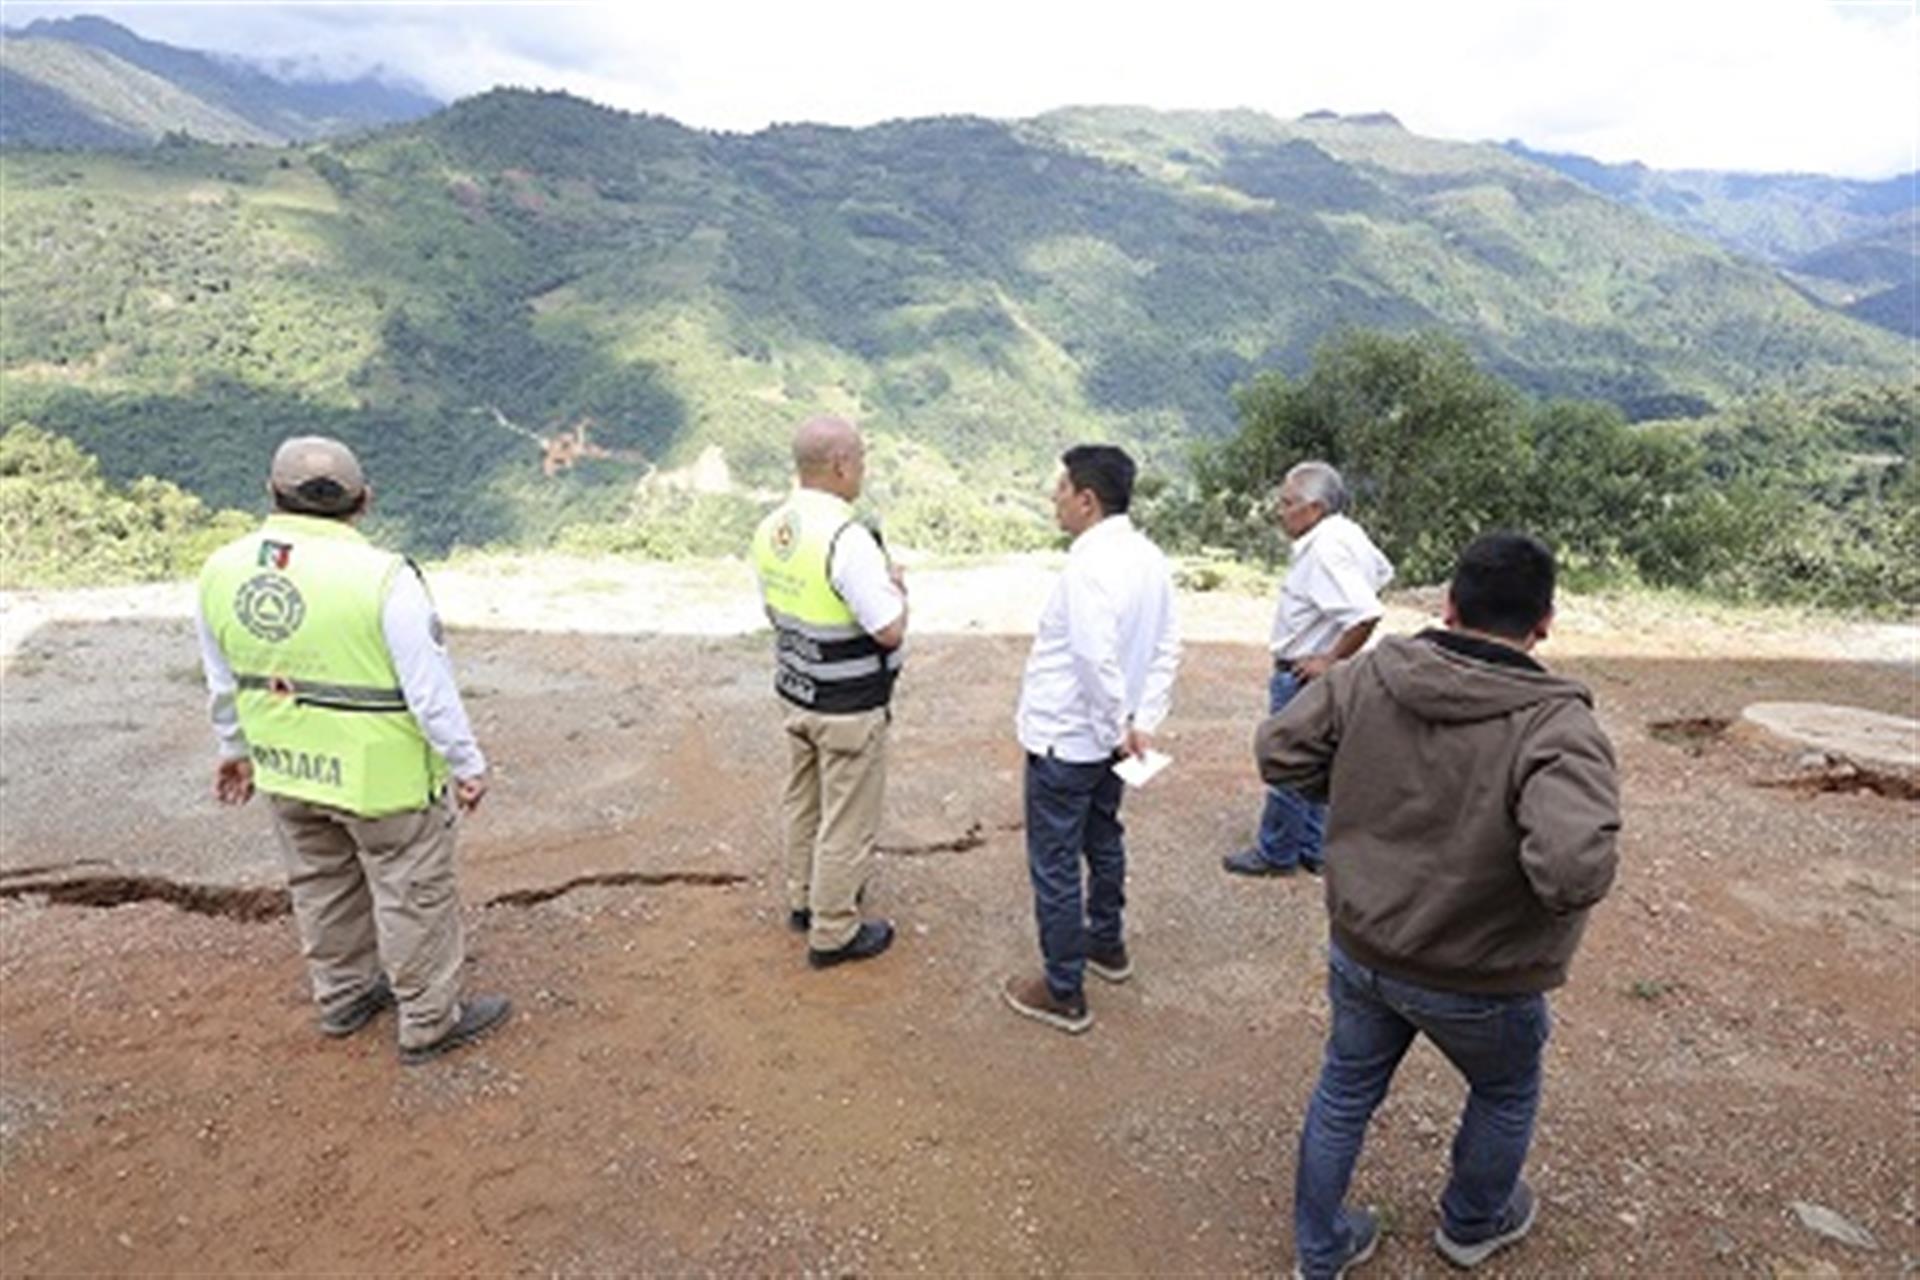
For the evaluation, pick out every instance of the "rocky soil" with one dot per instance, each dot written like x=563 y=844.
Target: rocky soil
x=1732 y=1078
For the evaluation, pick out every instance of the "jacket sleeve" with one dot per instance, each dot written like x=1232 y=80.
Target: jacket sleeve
x=1294 y=747
x=1569 y=812
x=222 y=687
x=416 y=645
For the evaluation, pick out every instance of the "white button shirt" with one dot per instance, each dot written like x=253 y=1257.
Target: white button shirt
x=1333 y=583
x=859 y=576
x=1105 y=651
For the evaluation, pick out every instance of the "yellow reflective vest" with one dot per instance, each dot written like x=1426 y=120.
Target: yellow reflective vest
x=296 y=609
x=824 y=659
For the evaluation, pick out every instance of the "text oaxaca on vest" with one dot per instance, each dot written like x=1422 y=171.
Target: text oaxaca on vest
x=296 y=608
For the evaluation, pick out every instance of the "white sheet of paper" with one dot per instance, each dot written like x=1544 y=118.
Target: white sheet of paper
x=1138 y=771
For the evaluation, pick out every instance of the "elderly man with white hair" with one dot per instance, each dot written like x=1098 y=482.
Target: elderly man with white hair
x=1329 y=604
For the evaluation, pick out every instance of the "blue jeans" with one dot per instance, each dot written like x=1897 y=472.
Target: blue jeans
x=1073 y=811
x=1494 y=1041
x=1291 y=826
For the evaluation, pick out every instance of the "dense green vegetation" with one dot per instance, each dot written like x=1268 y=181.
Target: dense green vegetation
x=446 y=294
x=1779 y=500
x=61 y=524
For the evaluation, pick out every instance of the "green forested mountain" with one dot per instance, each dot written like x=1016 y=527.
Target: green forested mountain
x=88 y=82
x=978 y=293
x=1850 y=242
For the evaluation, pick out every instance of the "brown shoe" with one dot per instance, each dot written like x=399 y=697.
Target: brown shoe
x=1032 y=998
x=1113 y=966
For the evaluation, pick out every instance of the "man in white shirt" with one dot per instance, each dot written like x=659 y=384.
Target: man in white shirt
x=839 y=614
x=1329 y=605
x=1098 y=683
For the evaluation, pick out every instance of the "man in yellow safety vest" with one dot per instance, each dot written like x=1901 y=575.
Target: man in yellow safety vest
x=839 y=614
x=333 y=693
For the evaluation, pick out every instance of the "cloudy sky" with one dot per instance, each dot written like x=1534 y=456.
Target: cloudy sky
x=1770 y=85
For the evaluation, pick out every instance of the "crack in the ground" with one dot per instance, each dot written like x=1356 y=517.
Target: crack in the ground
x=1690 y=732
x=972 y=838
x=257 y=905
x=41 y=868
x=251 y=905
x=546 y=893
x=1844 y=776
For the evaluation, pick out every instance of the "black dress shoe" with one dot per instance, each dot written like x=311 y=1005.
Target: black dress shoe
x=801 y=920
x=477 y=1017
x=1248 y=862
x=873 y=937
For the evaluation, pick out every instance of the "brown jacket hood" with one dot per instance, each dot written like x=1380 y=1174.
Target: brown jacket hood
x=1450 y=678
x=1474 y=809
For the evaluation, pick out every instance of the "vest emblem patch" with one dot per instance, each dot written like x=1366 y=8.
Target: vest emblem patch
x=786 y=535
x=270 y=607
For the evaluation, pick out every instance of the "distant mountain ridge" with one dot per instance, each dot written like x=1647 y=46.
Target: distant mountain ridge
x=86 y=82
x=1851 y=242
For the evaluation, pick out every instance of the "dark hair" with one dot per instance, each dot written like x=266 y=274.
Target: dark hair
x=1503 y=584
x=1104 y=468
x=322 y=496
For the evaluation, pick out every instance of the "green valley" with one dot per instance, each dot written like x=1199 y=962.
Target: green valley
x=457 y=295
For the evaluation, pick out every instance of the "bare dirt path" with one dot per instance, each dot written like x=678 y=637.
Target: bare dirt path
x=679 y=1092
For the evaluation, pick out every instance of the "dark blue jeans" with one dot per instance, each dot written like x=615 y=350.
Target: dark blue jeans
x=1495 y=1041
x=1291 y=826
x=1073 y=811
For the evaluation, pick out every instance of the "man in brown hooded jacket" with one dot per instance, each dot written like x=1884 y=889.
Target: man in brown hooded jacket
x=1472 y=825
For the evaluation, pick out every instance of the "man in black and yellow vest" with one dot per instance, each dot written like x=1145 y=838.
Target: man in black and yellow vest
x=332 y=692
x=839 y=614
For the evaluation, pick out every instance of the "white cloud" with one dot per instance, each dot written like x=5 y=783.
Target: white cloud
x=1724 y=84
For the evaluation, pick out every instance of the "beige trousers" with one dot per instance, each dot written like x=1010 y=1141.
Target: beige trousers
x=374 y=893
x=836 y=776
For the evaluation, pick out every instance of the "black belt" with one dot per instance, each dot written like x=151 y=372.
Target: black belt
x=1119 y=754
x=1289 y=665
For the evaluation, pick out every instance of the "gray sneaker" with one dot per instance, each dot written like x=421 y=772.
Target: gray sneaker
x=361 y=1010
x=1514 y=1223
x=478 y=1016
x=1363 y=1237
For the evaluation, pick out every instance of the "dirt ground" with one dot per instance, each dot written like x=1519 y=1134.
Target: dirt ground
x=678 y=1092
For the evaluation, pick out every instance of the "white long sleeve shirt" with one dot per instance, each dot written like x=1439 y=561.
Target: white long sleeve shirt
x=1105 y=652
x=859 y=575
x=1333 y=583
x=420 y=659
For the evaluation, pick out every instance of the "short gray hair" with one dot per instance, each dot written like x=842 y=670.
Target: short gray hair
x=1319 y=482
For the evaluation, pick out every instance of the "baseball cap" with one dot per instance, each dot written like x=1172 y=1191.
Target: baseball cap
x=319 y=471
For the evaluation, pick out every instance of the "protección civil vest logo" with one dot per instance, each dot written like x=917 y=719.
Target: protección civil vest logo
x=786 y=535
x=270 y=607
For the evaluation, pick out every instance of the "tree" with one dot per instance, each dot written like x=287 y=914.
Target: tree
x=1607 y=494
x=1433 y=449
x=61 y=524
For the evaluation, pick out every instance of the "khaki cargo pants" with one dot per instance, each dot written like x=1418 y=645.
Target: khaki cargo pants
x=372 y=894
x=836 y=774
